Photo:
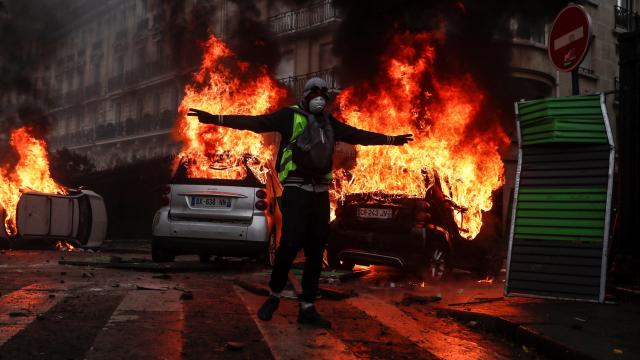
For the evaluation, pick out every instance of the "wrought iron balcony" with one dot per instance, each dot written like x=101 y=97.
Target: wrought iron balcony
x=625 y=19
x=307 y=18
x=296 y=83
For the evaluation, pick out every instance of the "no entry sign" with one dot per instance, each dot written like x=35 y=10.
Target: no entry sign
x=570 y=37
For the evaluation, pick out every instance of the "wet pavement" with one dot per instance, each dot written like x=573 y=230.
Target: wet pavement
x=50 y=309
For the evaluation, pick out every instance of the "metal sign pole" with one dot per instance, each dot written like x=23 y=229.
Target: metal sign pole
x=575 y=82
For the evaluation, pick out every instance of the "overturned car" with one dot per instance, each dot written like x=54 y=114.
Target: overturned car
x=78 y=218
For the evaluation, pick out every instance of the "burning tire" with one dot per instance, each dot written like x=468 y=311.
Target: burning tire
x=437 y=261
x=161 y=254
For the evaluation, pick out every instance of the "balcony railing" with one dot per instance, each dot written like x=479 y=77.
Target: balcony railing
x=305 y=18
x=296 y=83
x=625 y=19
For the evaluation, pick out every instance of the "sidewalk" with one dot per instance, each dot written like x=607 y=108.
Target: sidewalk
x=558 y=329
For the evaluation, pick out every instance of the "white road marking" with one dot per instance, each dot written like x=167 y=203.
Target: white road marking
x=437 y=343
x=147 y=324
x=30 y=300
x=289 y=340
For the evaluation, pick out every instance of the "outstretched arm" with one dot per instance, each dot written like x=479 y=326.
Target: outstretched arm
x=355 y=136
x=257 y=123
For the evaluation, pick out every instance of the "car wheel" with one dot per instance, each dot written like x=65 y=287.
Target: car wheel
x=161 y=254
x=336 y=263
x=437 y=261
x=272 y=248
x=345 y=265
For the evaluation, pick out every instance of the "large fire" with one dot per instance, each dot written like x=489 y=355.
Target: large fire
x=409 y=97
x=30 y=173
x=225 y=85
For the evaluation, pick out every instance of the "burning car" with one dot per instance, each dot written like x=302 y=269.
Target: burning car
x=79 y=217
x=405 y=231
x=34 y=207
x=213 y=216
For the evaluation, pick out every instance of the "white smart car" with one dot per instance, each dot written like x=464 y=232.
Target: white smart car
x=208 y=217
x=79 y=217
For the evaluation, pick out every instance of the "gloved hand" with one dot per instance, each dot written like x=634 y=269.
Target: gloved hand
x=402 y=139
x=204 y=117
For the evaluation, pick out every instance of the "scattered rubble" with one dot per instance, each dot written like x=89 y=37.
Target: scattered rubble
x=187 y=295
x=19 y=313
x=254 y=289
x=478 y=301
x=410 y=299
x=234 y=346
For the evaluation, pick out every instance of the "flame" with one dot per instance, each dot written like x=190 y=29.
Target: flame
x=224 y=85
x=64 y=246
x=408 y=96
x=30 y=173
x=487 y=280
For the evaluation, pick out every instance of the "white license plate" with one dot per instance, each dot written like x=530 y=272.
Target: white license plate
x=210 y=202
x=373 y=213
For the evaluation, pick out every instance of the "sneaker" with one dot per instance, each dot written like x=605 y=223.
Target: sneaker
x=268 y=308
x=310 y=316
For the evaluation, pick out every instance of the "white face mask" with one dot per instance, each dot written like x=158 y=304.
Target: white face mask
x=316 y=105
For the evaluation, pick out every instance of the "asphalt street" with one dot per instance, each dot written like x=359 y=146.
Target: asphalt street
x=54 y=311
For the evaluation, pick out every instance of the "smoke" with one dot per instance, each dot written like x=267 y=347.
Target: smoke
x=476 y=32
x=243 y=30
x=24 y=30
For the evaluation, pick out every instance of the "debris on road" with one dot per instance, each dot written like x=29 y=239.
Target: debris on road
x=187 y=295
x=162 y=276
x=410 y=299
x=478 y=301
x=335 y=294
x=473 y=324
x=19 y=313
x=114 y=262
x=252 y=288
x=138 y=287
x=234 y=346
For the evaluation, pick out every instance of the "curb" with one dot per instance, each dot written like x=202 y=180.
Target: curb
x=144 y=266
x=519 y=333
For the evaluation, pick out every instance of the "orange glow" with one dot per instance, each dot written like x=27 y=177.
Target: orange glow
x=64 y=246
x=409 y=97
x=30 y=173
x=487 y=280
x=225 y=85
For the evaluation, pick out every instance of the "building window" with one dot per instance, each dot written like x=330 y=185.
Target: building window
x=96 y=73
x=326 y=56
x=522 y=29
x=286 y=66
x=117 y=111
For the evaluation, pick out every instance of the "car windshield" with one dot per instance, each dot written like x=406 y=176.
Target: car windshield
x=243 y=174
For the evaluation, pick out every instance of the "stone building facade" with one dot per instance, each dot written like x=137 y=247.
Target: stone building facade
x=536 y=77
x=114 y=84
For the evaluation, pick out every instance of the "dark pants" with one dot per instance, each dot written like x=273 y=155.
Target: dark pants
x=305 y=225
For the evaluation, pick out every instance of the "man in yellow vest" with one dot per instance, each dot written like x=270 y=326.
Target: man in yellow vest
x=305 y=159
